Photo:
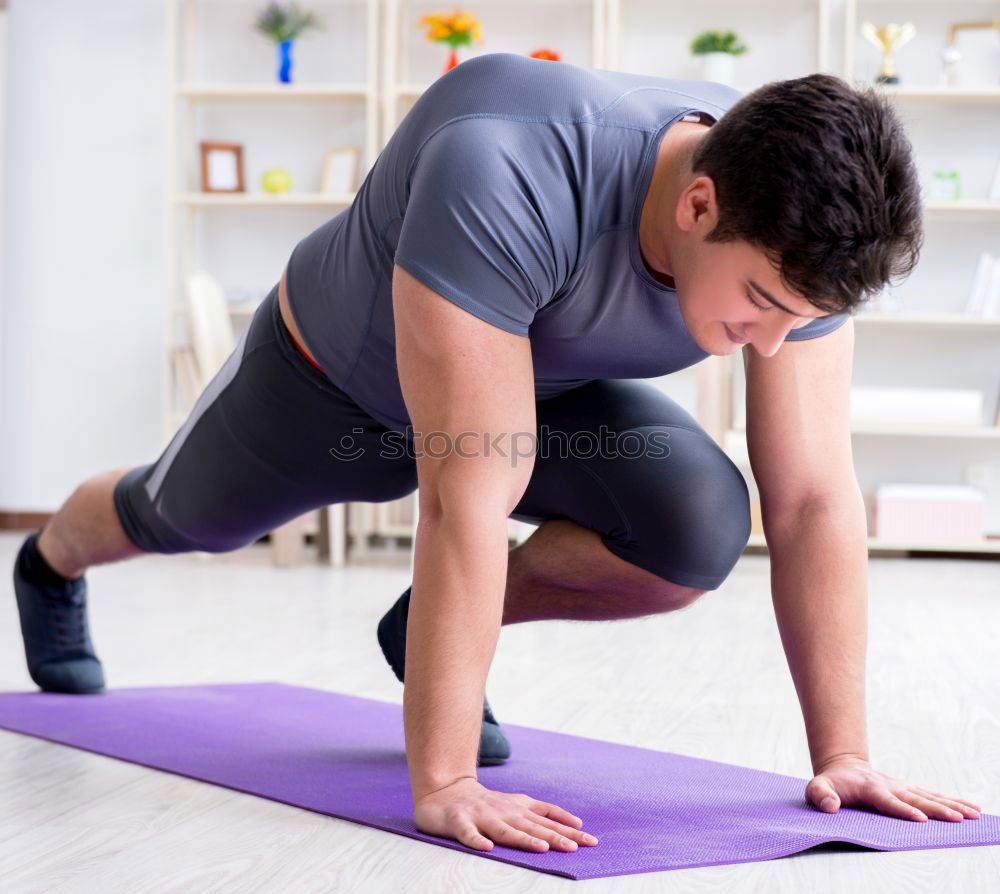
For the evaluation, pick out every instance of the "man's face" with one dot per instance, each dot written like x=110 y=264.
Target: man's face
x=721 y=290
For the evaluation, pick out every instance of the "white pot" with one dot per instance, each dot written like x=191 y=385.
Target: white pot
x=718 y=67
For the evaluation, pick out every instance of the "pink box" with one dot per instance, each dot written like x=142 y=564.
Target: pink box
x=934 y=513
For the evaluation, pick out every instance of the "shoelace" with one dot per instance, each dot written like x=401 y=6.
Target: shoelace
x=70 y=620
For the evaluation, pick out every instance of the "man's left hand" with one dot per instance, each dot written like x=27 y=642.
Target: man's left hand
x=851 y=782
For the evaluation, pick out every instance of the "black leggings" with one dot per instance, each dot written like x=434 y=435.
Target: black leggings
x=271 y=438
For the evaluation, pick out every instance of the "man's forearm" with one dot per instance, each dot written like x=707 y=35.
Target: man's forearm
x=819 y=570
x=456 y=605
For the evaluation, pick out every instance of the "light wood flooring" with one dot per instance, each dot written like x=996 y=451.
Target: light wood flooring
x=709 y=681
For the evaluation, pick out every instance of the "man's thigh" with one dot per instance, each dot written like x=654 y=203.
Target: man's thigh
x=269 y=439
x=621 y=458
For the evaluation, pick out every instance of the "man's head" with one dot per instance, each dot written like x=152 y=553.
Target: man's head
x=804 y=191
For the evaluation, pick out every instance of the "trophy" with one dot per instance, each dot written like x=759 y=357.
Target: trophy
x=888 y=38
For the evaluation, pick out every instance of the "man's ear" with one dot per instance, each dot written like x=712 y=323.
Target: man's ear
x=697 y=209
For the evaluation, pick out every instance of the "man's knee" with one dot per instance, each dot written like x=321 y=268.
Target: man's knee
x=692 y=523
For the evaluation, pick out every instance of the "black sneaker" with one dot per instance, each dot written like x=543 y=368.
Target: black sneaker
x=493 y=745
x=56 y=634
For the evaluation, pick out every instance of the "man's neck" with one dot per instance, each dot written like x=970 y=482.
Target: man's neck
x=671 y=175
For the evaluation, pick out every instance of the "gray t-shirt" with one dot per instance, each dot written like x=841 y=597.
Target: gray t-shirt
x=513 y=188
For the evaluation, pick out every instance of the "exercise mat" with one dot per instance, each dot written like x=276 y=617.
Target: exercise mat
x=344 y=756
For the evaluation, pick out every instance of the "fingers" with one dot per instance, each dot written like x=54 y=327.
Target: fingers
x=554 y=812
x=553 y=837
x=941 y=807
x=932 y=808
x=469 y=835
x=507 y=835
x=559 y=830
x=956 y=803
x=886 y=802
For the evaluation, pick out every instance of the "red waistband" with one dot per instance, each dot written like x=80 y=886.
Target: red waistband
x=301 y=350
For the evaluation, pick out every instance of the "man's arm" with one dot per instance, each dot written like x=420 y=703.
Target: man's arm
x=468 y=388
x=798 y=437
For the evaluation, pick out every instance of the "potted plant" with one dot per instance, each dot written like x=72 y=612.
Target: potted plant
x=283 y=25
x=457 y=29
x=717 y=50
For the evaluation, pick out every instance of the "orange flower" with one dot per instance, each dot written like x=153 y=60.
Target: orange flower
x=457 y=28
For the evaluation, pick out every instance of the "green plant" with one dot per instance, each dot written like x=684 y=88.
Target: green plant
x=718 y=42
x=285 y=23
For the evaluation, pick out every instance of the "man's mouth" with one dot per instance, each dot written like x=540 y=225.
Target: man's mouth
x=739 y=339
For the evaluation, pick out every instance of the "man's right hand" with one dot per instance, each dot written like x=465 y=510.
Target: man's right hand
x=477 y=816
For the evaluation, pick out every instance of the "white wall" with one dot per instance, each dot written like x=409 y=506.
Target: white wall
x=3 y=143
x=81 y=341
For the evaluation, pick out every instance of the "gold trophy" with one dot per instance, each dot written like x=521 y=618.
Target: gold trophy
x=888 y=38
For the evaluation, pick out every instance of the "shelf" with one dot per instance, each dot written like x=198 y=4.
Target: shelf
x=261 y=199
x=959 y=96
x=971 y=432
x=953 y=320
x=409 y=89
x=235 y=309
x=301 y=92
x=963 y=206
x=989 y=546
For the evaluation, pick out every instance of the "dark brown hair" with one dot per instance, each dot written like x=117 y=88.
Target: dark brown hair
x=819 y=175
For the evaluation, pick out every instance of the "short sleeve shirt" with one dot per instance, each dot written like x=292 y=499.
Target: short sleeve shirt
x=513 y=188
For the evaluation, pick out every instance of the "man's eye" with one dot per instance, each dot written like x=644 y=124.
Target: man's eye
x=749 y=298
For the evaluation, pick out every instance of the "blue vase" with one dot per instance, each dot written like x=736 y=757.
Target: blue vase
x=285 y=61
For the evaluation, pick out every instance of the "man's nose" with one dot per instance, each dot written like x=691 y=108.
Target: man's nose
x=767 y=337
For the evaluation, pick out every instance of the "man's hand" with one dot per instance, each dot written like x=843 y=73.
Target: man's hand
x=851 y=782
x=468 y=812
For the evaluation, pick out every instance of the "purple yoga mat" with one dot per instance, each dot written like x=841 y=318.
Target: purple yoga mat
x=344 y=756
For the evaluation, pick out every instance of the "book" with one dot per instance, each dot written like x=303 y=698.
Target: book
x=994 y=195
x=991 y=299
x=982 y=282
x=916 y=406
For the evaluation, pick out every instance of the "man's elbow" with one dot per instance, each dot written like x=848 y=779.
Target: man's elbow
x=468 y=484
x=840 y=509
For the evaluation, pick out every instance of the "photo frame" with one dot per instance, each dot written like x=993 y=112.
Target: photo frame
x=222 y=167
x=340 y=170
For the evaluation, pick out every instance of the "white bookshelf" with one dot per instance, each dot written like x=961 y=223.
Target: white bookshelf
x=922 y=94
x=185 y=95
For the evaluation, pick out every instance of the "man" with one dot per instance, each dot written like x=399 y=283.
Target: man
x=533 y=239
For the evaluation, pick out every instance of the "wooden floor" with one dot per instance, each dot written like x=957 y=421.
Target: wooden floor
x=708 y=681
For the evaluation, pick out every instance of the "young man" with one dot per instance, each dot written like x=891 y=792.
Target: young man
x=533 y=239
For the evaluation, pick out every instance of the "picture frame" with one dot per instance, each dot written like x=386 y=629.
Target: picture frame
x=222 y=167
x=340 y=170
